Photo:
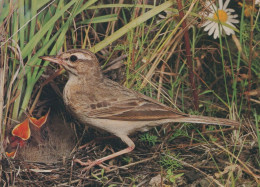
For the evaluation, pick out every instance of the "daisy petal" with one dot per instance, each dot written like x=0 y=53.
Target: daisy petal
x=228 y=31
x=216 y=34
x=233 y=20
x=212 y=29
x=214 y=7
x=229 y=23
x=230 y=10
x=206 y=23
x=210 y=26
x=233 y=16
x=226 y=4
x=220 y=4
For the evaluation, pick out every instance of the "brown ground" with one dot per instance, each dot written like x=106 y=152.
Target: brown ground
x=50 y=163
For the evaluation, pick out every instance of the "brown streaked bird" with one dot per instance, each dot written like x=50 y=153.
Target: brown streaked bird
x=100 y=102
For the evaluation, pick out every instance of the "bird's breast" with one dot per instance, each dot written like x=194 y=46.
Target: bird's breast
x=78 y=98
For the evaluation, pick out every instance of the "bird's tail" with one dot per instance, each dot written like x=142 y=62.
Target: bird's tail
x=208 y=120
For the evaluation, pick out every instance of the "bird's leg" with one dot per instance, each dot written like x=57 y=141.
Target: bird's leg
x=98 y=139
x=91 y=164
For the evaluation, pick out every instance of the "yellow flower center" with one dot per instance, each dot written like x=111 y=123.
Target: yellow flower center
x=221 y=15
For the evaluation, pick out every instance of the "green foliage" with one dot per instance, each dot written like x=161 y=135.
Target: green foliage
x=172 y=177
x=127 y=159
x=169 y=163
x=112 y=185
x=34 y=32
x=40 y=29
x=179 y=132
x=133 y=180
x=102 y=179
x=151 y=139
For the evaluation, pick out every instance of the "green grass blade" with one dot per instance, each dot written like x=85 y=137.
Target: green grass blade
x=130 y=26
x=37 y=37
x=21 y=22
x=100 y=19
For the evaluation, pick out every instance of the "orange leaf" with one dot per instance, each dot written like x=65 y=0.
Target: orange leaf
x=12 y=154
x=22 y=130
x=41 y=121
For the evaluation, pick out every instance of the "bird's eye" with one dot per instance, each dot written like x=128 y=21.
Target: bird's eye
x=73 y=58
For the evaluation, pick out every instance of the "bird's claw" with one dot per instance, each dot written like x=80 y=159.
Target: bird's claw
x=89 y=164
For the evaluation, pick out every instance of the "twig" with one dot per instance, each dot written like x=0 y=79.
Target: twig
x=240 y=161
x=2 y=83
x=49 y=79
x=160 y=81
x=189 y=165
x=122 y=167
x=188 y=55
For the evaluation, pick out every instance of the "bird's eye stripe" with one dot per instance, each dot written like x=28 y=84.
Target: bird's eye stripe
x=83 y=56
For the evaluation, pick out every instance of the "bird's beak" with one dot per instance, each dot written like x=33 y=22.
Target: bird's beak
x=54 y=59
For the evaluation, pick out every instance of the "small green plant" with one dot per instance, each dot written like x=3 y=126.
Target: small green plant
x=127 y=159
x=172 y=177
x=212 y=138
x=179 y=132
x=112 y=185
x=102 y=178
x=170 y=164
x=133 y=180
x=151 y=139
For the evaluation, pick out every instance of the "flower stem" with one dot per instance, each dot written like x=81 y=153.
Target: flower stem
x=188 y=55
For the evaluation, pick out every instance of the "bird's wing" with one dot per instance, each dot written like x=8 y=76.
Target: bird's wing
x=133 y=109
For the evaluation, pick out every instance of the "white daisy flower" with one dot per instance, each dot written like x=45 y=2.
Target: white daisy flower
x=219 y=15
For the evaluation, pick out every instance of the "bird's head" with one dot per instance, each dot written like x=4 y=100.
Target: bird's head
x=78 y=62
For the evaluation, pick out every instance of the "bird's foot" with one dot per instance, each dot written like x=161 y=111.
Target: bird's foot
x=90 y=164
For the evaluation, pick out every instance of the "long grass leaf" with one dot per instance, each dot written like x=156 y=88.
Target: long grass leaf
x=37 y=37
x=100 y=19
x=130 y=26
x=21 y=22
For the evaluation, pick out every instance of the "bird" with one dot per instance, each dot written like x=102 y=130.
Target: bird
x=97 y=101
